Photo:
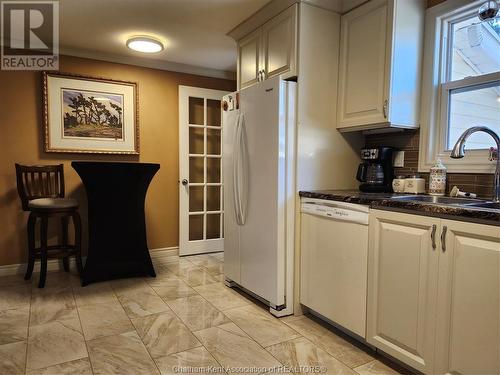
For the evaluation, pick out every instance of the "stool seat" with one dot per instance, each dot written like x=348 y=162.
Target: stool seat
x=53 y=203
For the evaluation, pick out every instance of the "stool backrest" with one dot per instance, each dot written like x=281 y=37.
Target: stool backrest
x=39 y=181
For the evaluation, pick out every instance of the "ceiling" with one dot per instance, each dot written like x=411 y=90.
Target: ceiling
x=193 y=31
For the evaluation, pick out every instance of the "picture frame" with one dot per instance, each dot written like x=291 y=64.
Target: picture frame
x=90 y=115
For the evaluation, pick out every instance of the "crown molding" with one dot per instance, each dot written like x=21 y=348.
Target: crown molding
x=260 y=17
x=149 y=63
x=275 y=7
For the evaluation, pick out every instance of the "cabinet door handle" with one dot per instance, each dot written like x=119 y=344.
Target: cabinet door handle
x=433 y=236
x=443 y=238
x=384 y=108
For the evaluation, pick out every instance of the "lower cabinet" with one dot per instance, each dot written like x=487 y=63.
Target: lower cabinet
x=468 y=309
x=434 y=293
x=402 y=286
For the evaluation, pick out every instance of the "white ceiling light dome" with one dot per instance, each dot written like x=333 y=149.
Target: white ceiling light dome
x=145 y=44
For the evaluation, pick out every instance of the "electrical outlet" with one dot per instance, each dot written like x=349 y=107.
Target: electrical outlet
x=399 y=159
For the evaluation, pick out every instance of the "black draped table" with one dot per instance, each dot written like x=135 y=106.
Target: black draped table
x=117 y=227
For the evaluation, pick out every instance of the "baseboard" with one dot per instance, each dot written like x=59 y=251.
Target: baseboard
x=20 y=269
x=162 y=252
x=56 y=264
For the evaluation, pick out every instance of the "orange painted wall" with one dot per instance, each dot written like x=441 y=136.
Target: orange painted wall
x=21 y=141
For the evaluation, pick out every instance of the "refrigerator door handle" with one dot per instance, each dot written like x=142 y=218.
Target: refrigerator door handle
x=237 y=170
x=243 y=180
x=236 y=162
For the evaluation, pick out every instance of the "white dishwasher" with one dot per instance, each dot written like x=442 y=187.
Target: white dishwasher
x=334 y=257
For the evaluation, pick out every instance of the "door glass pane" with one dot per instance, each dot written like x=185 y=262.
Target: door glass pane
x=213 y=141
x=213 y=198
x=196 y=111
x=196 y=195
x=213 y=169
x=213 y=112
x=196 y=169
x=213 y=226
x=195 y=227
x=196 y=140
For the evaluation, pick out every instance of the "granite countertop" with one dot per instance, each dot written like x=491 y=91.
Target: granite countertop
x=383 y=201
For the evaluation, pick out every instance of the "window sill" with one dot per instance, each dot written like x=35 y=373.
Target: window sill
x=461 y=166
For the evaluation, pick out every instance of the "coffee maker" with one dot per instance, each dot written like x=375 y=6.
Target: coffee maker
x=376 y=171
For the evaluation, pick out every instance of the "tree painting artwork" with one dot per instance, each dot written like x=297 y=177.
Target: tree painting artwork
x=89 y=114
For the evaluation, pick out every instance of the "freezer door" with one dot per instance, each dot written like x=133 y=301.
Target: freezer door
x=262 y=237
x=231 y=227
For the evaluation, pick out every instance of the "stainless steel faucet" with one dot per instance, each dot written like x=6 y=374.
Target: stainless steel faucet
x=459 y=152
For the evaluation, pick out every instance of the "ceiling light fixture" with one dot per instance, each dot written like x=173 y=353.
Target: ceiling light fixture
x=144 y=44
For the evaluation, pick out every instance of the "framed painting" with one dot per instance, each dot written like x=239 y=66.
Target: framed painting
x=90 y=115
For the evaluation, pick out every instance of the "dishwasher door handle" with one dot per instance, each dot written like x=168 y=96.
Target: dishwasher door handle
x=334 y=213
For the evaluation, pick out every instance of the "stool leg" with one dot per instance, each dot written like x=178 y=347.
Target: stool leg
x=77 y=222
x=31 y=246
x=43 y=251
x=64 y=232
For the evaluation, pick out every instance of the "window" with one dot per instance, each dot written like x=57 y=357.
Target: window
x=473 y=105
x=461 y=85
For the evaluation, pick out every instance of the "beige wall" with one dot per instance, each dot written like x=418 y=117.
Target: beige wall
x=21 y=142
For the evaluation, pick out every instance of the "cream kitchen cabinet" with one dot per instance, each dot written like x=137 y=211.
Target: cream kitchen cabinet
x=269 y=50
x=250 y=59
x=434 y=293
x=402 y=285
x=380 y=65
x=468 y=309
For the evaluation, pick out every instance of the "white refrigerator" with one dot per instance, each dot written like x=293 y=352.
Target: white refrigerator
x=259 y=131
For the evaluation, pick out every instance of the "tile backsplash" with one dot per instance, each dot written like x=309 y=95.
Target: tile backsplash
x=408 y=141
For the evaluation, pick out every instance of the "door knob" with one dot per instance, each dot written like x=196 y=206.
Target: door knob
x=185 y=182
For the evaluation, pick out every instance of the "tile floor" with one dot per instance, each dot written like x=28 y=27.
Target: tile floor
x=186 y=316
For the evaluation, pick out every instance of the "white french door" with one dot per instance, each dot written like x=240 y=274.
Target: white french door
x=201 y=211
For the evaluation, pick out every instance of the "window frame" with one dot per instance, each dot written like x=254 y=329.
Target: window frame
x=436 y=88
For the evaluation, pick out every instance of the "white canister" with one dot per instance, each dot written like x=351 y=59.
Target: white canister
x=414 y=185
x=398 y=184
x=437 y=179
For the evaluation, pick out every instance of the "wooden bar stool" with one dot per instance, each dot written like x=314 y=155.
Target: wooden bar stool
x=41 y=189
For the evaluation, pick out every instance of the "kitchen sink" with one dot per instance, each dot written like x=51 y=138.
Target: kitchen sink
x=490 y=205
x=441 y=200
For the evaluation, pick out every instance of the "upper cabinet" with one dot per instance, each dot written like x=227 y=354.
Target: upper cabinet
x=249 y=58
x=380 y=65
x=269 y=50
x=279 y=42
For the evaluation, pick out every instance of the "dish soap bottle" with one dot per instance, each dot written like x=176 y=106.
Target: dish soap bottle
x=437 y=180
